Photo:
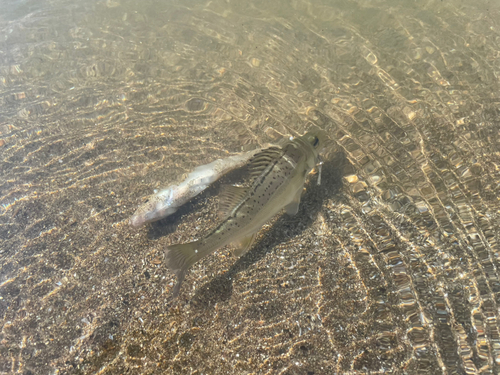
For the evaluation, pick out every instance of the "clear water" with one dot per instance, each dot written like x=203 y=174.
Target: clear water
x=391 y=265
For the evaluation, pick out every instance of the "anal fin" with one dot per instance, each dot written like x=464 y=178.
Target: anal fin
x=241 y=247
x=293 y=207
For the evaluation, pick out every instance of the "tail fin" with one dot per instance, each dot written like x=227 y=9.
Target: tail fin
x=179 y=258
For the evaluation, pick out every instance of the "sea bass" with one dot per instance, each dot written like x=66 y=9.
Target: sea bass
x=277 y=176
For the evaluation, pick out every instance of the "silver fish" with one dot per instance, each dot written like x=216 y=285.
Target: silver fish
x=278 y=175
x=168 y=200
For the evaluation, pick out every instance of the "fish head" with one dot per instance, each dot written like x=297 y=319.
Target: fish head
x=155 y=208
x=316 y=138
x=312 y=143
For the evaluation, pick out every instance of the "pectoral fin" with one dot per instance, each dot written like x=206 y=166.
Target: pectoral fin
x=293 y=207
x=244 y=245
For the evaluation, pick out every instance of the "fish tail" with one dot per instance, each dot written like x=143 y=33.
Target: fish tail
x=179 y=258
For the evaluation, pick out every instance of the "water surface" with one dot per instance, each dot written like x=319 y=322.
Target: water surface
x=391 y=265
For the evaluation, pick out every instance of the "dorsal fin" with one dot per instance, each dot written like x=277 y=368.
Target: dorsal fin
x=261 y=160
x=230 y=196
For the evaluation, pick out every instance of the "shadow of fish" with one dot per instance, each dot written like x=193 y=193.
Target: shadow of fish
x=220 y=287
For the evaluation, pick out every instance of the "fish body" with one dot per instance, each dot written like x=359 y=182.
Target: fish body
x=278 y=177
x=168 y=200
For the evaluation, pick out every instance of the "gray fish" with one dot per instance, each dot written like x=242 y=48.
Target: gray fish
x=278 y=175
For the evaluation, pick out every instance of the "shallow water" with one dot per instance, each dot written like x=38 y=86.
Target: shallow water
x=390 y=266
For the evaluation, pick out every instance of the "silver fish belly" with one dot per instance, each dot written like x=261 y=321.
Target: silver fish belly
x=278 y=175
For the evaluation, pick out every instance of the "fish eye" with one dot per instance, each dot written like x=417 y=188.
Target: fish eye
x=316 y=141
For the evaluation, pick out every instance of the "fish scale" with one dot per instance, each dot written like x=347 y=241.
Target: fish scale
x=278 y=175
